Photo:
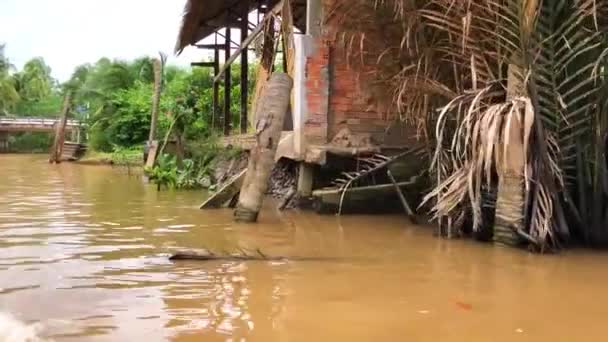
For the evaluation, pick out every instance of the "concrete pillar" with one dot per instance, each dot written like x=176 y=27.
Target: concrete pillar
x=314 y=17
x=305 y=179
x=303 y=46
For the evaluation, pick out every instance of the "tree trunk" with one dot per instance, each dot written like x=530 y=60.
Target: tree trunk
x=511 y=200
x=158 y=80
x=57 y=148
x=270 y=115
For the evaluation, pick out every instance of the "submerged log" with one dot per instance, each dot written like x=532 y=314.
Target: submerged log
x=206 y=255
x=270 y=115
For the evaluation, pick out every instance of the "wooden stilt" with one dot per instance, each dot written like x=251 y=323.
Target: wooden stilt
x=216 y=85
x=244 y=68
x=227 y=86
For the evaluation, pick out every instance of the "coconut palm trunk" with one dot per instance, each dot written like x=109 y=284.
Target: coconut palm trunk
x=158 y=71
x=270 y=115
x=511 y=199
x=57 y=148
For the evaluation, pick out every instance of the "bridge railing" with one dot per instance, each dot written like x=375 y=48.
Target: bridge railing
x=29 y=121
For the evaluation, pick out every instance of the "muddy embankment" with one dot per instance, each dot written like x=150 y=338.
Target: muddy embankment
x=281 y=185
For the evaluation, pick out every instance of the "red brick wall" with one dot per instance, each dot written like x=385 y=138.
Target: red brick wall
x=340 y=95
x=317 y=93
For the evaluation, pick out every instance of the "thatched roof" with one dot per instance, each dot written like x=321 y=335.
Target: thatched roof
x=203 y=17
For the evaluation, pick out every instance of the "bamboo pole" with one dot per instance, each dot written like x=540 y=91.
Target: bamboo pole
x=57 y=148
x=270 y=115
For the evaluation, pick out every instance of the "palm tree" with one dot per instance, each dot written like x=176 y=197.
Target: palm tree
x=515 y=92
x=34 y=82
x=8 y=94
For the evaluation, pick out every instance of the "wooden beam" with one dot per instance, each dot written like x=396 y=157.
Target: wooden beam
x=216 y=86
x=265 y=67
x=227 y=85
x=210 y=46
x=203 y=64
x=235 y=44
x=244 y=69
x=249 y=40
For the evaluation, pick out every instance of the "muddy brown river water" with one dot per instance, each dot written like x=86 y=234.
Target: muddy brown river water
x=83 y=255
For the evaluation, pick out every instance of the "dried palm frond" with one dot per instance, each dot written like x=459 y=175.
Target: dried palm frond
x=449 y=64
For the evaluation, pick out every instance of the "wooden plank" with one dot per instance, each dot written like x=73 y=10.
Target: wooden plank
x=265 y=67
x=203 y=64
x=333 y=195
x=288 y=44
x=226 y=193
x=287 y=33
x=210 y=46
x=248 y=41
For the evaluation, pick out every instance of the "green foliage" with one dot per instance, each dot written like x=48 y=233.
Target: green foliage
x=129 y=122
x=48 y=106
x=99 y=139
x=187 y=175
x=130 y=156
x=34 y=82
x=9 y=96
x=164 y=173
x=31 y=142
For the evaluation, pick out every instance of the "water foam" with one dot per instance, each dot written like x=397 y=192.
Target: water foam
x=13 y=330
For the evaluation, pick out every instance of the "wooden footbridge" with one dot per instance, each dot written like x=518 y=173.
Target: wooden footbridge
x=16 y=124
x=30 y=124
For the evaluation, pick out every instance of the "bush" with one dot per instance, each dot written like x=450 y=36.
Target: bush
x=99 y=139
x=31 y=142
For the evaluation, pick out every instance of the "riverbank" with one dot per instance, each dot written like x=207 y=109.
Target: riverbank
x=129 y=157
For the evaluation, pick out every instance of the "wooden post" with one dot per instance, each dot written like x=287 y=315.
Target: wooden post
x=227 y=84
x=271 y=115
x=57 y=148
x=216 y=84
x=244 y=67
x=265 y=67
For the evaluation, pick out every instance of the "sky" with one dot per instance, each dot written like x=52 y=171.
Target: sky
x=67 y=33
